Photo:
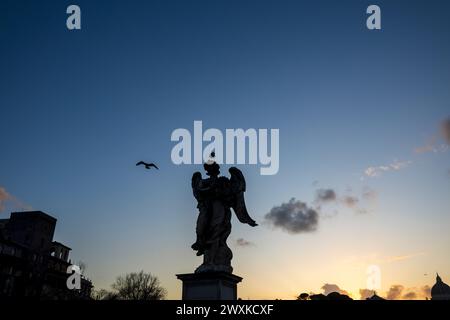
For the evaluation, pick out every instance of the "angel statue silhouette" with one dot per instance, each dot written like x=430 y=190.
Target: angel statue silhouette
x=216 y=195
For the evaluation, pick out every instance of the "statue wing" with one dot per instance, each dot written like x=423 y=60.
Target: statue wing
x=196 y=178
x=237 y=182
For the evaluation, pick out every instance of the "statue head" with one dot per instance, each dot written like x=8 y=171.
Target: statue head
x=212 y=169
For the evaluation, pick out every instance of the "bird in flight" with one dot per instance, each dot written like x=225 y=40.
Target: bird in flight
x=147 y=165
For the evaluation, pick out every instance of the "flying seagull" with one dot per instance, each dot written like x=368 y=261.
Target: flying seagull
x=147 y=165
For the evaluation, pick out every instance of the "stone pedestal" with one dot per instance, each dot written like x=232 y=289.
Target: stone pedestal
x=209 y=286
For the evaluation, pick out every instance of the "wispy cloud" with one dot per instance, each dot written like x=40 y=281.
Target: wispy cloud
x=376 y=171
x=403 y=257
x=329 y=288
x=347 y=200
x=439 y=142
x=395 y=292
x=365 y=293
x=298 y=217
x=377 y=259
x=7 y=199
x=445 y=130
x=325 y=195
x=241 y=242
x=369 y=194
x=350 y=201
x=400 y=292
x=4 y=197
x=432 y=148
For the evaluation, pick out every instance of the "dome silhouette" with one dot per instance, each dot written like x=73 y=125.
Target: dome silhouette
x=440 y=290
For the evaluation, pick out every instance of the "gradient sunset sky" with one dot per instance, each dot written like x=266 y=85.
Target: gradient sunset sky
x=359 y=113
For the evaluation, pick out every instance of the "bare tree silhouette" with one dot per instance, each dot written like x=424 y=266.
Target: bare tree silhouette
x=138 y=286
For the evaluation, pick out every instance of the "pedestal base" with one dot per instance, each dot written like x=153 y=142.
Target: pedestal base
x=209 y=286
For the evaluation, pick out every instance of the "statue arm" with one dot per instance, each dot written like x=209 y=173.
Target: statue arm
x=199 y=188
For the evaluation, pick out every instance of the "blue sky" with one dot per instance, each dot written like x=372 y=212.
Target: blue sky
x=79 y=108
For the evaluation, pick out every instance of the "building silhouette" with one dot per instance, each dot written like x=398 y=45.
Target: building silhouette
x=330 y=296
x=32 y=264
x=375 y=297
x=440 y=290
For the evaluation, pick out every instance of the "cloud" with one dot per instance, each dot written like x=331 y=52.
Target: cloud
x=445 y=130
x=431 y=148
x=325 y=195
x=375 y=171
x=365 y=293
x=4 y=197
x=241 y=242
x=426 y=291
x=395 y=292
x=362 y=261
x=399 y=292
x=403 y=257
x=433 y=144
x=293 y=217
x=7 y=199
x=369 y=194
x=297 y=217
x=329 y=288
x=410 y=295
x=353 y=202
x=350 y=201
